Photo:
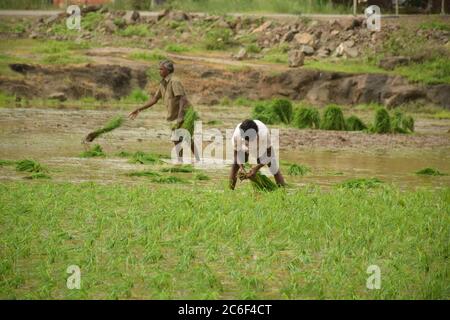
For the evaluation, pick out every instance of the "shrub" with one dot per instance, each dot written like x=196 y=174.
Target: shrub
x=382 y=122
x=283 y=108
x=353 y=123
x=218 y=39
x=333 y=119
x=307 y=118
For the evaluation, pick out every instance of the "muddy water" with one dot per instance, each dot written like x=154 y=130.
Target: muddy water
x=54 y=137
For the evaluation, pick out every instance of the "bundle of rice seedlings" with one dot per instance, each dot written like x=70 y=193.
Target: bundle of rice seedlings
x=264 y=112
x=201 y=176
x=283 y=108
x=28 y=165
x=169 y=179
x=307 y=118
x=298 y=170
x=401 y=123
x=359 y=183
x=189 y=120
x=182 y=169
x=260 y=182
x=430 y=172
x=145 y=158
x=95 y=151
x=333 y=119
x=147 y=173
x=353 y=123
x=382 y=122
x=112 y=124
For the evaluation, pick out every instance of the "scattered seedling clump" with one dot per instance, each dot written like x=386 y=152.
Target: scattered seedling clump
x=307 y=118
x=7 y=163
x=264 y=112
x=144 y=158
x=179 y=169
x=202 y=177
x=353 y=123
x=333 y=119
x=298 y=170
x=382 y=122
x=283 y=109
x=28 y=165
x=112 y=124
x=361 y=183
x=401 y=123
x=146 y=173
x=95 y=151
x=38 y=175
x=430 y=172
x=169 y=179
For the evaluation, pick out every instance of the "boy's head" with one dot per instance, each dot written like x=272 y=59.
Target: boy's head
x=250 y=130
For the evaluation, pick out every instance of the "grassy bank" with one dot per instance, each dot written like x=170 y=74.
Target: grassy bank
x=134 y=242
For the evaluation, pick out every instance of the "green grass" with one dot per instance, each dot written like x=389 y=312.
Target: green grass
x=174 y=47
x=202 y=177
x=345 y=66
x=6 y=100
x=7 y=163
x=430 y=172
x=136 y=96
x=361 y=183
x=444 y=114
x=159 y=243
x=140 y=30
x=182 y=169
x=146 y=173
x=141 y=157
x=168 y=180
x=218 y=39
x=153 y=55
x=435 y=25
x=433 y=71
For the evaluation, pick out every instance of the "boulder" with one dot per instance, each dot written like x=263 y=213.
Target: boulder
x=344 y=50
x=262 y=28
x=305 y=38
x=241 y=55
x=288 y=36
x=307 y=50
x=296 y=58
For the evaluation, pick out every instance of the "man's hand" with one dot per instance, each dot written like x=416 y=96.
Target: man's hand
x=252 y=173
x=134 y=114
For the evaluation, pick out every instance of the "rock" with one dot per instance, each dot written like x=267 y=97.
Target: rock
x=403 y=94
x=110 y=26
x=131 y=17
x=58 y=96
x=288 y=36
x=390 y=63
x=51 y=19
x=178 y=16
x=323 y=52
x=305 y=38
x=344 y=50
x=33 y=35
x=241 y=55
x=334 y=32
x=307 y=50
x=296 y=58
x=439 y=95
x=266 y=25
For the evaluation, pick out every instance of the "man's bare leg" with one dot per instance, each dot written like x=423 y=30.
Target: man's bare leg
x=179 y=151
x=279 y=179
x=233 y=175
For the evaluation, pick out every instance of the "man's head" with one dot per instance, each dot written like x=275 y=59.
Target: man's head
x=165 y=68
x=250 y=130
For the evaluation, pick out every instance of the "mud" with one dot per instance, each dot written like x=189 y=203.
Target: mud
x=54 y=138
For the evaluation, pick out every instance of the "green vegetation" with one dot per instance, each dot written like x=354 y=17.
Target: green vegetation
x=153 y=55
x=202 y=177
x=361 y=183
x=283 y=109
x=306 y=117
x=401 y=123
x=182 y=169
x=277 y=54
x=298 y=170
x=262 y=182
x=136 y=96
x=189 y=120
x=93 y=152
x=218 y=39
x=430 y=172
x=6 y=100
x=144 y=158
x=435 y=25
x=140 y=30
x=136 y=242
x=111 y=125
x=146 y=173
x=38 y=175
x=169 y=180
x=28 y=165
x=174 y=47
x=353 y=123
x=333 y=118
x=264 y=112
x=7 y=163
x=382 y=122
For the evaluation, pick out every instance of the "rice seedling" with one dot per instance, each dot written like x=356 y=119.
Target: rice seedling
x=112 y=124
x=146 y=173
x=202 y=177
x=298 y=170
x=38 y=175
x=333 y=119
x=307 y=118
x=189 y=120
x=95 y=151
x=382 y=122
x=7 y=163
x=169 y=180
x=430 y=172
x=283 y=108
x=401 y=123
x=264 y=112
x=179 y=169
x=362 y=183
x=144 y=158
x=260 y=182
x=28 y=165
x=353 y=123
